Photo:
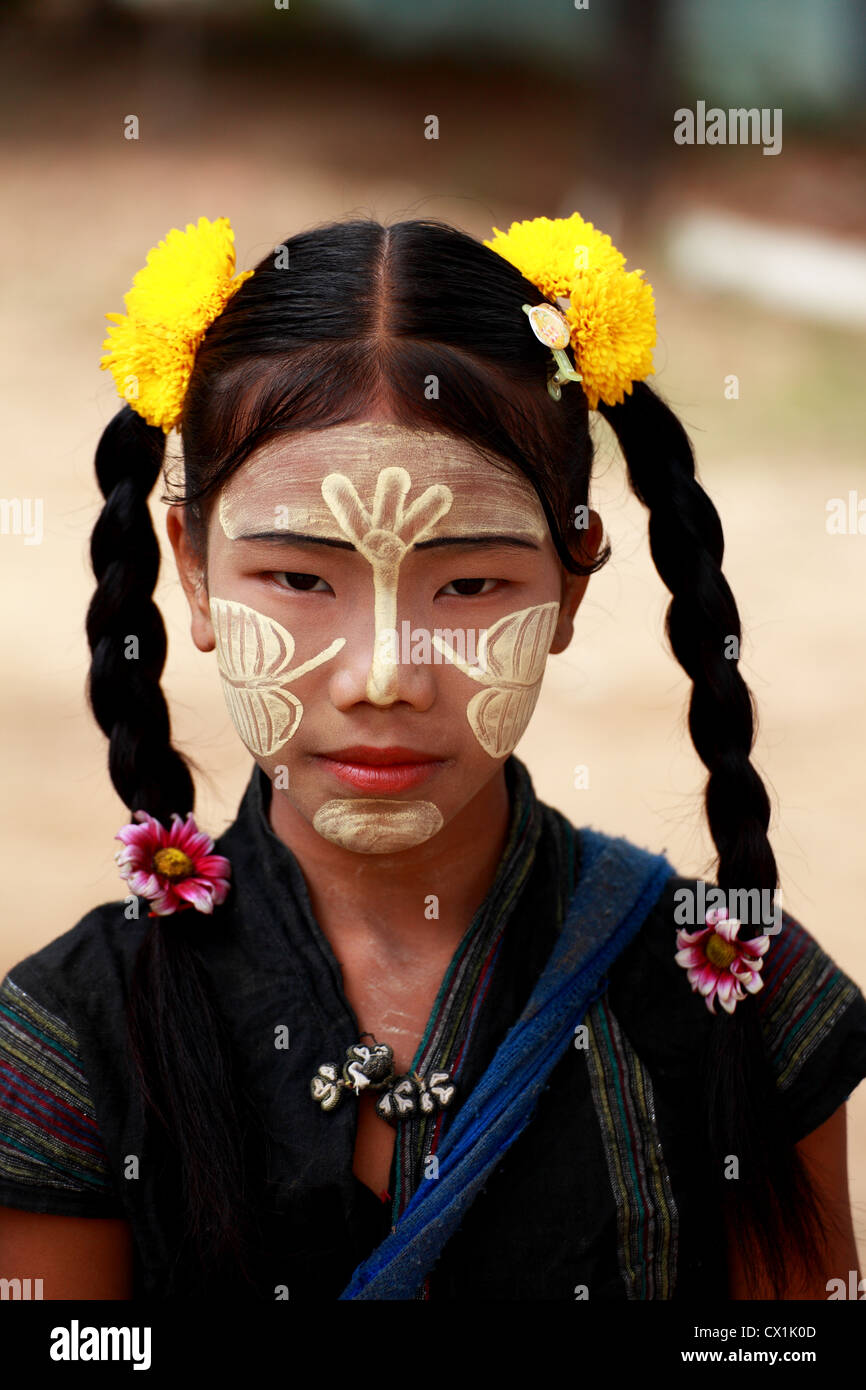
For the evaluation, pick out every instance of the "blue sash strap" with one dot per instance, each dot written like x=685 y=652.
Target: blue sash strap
x=618 y=887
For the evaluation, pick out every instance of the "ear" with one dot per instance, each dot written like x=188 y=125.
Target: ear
x=574 y=585
x=191 y=573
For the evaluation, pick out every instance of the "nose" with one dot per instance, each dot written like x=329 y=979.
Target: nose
x=376 y=664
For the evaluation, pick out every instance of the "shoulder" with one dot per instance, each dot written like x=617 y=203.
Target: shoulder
x=63 y=1007
x=95 y=955
x=82 y=979
x=61 y=1011
x=666 y=1021
x=812 y=1015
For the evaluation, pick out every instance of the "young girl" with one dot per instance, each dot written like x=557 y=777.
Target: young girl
x=404 y=1031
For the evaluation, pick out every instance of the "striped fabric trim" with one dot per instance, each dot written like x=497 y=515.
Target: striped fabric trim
x=647 y=1216
x=48 y=1131
x=804 y=995
x=455 y=1012
x=457 y=1004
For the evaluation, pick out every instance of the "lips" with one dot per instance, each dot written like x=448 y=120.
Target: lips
x=365 y=754
x=373 y=769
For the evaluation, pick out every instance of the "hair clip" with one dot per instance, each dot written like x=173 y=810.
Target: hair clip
x=550 y=327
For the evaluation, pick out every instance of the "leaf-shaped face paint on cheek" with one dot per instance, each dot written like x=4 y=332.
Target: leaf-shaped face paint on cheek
x=254 y=656
x=514 y=652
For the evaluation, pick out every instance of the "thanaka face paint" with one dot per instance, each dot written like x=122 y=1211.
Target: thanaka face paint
x=295 y=464
x=254 y=658
x=518 y=643
x=370 y=825
x=515 y=650
x=375 y=451
x=350 y=486
x=383 y=536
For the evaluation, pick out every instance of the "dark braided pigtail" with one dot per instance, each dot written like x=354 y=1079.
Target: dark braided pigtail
x=123 y=685
x=177 y=1036
x=773 y=1198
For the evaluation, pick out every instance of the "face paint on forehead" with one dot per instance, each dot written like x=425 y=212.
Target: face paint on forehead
x=289 y=471
x=373 y=825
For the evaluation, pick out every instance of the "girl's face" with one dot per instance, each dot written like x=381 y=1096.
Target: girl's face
x=382 y=602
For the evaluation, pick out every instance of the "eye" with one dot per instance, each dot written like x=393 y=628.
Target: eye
x=305 y=583
x=470 y=592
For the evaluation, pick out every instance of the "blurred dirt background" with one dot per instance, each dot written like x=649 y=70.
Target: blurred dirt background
x=294 y=118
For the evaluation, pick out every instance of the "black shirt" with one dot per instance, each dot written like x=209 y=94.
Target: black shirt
x=603 y=1195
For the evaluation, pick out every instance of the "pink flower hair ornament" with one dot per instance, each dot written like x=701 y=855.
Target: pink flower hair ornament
x=175 y=868
x=719 y=965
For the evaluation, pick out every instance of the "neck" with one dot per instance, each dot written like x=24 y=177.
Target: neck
x=383 y=901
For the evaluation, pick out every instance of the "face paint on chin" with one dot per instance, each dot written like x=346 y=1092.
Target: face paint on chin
x=373 y=825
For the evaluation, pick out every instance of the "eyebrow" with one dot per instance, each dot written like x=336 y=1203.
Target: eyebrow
x=305 y=538
x=525 y=542
x=295 y=538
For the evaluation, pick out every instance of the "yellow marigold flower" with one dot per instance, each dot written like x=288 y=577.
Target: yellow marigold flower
x=613 y=333
x=553 y=252
x=611 y=312
x=174 y=299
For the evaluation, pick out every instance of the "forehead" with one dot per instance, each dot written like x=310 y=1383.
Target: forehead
x=287 y=473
